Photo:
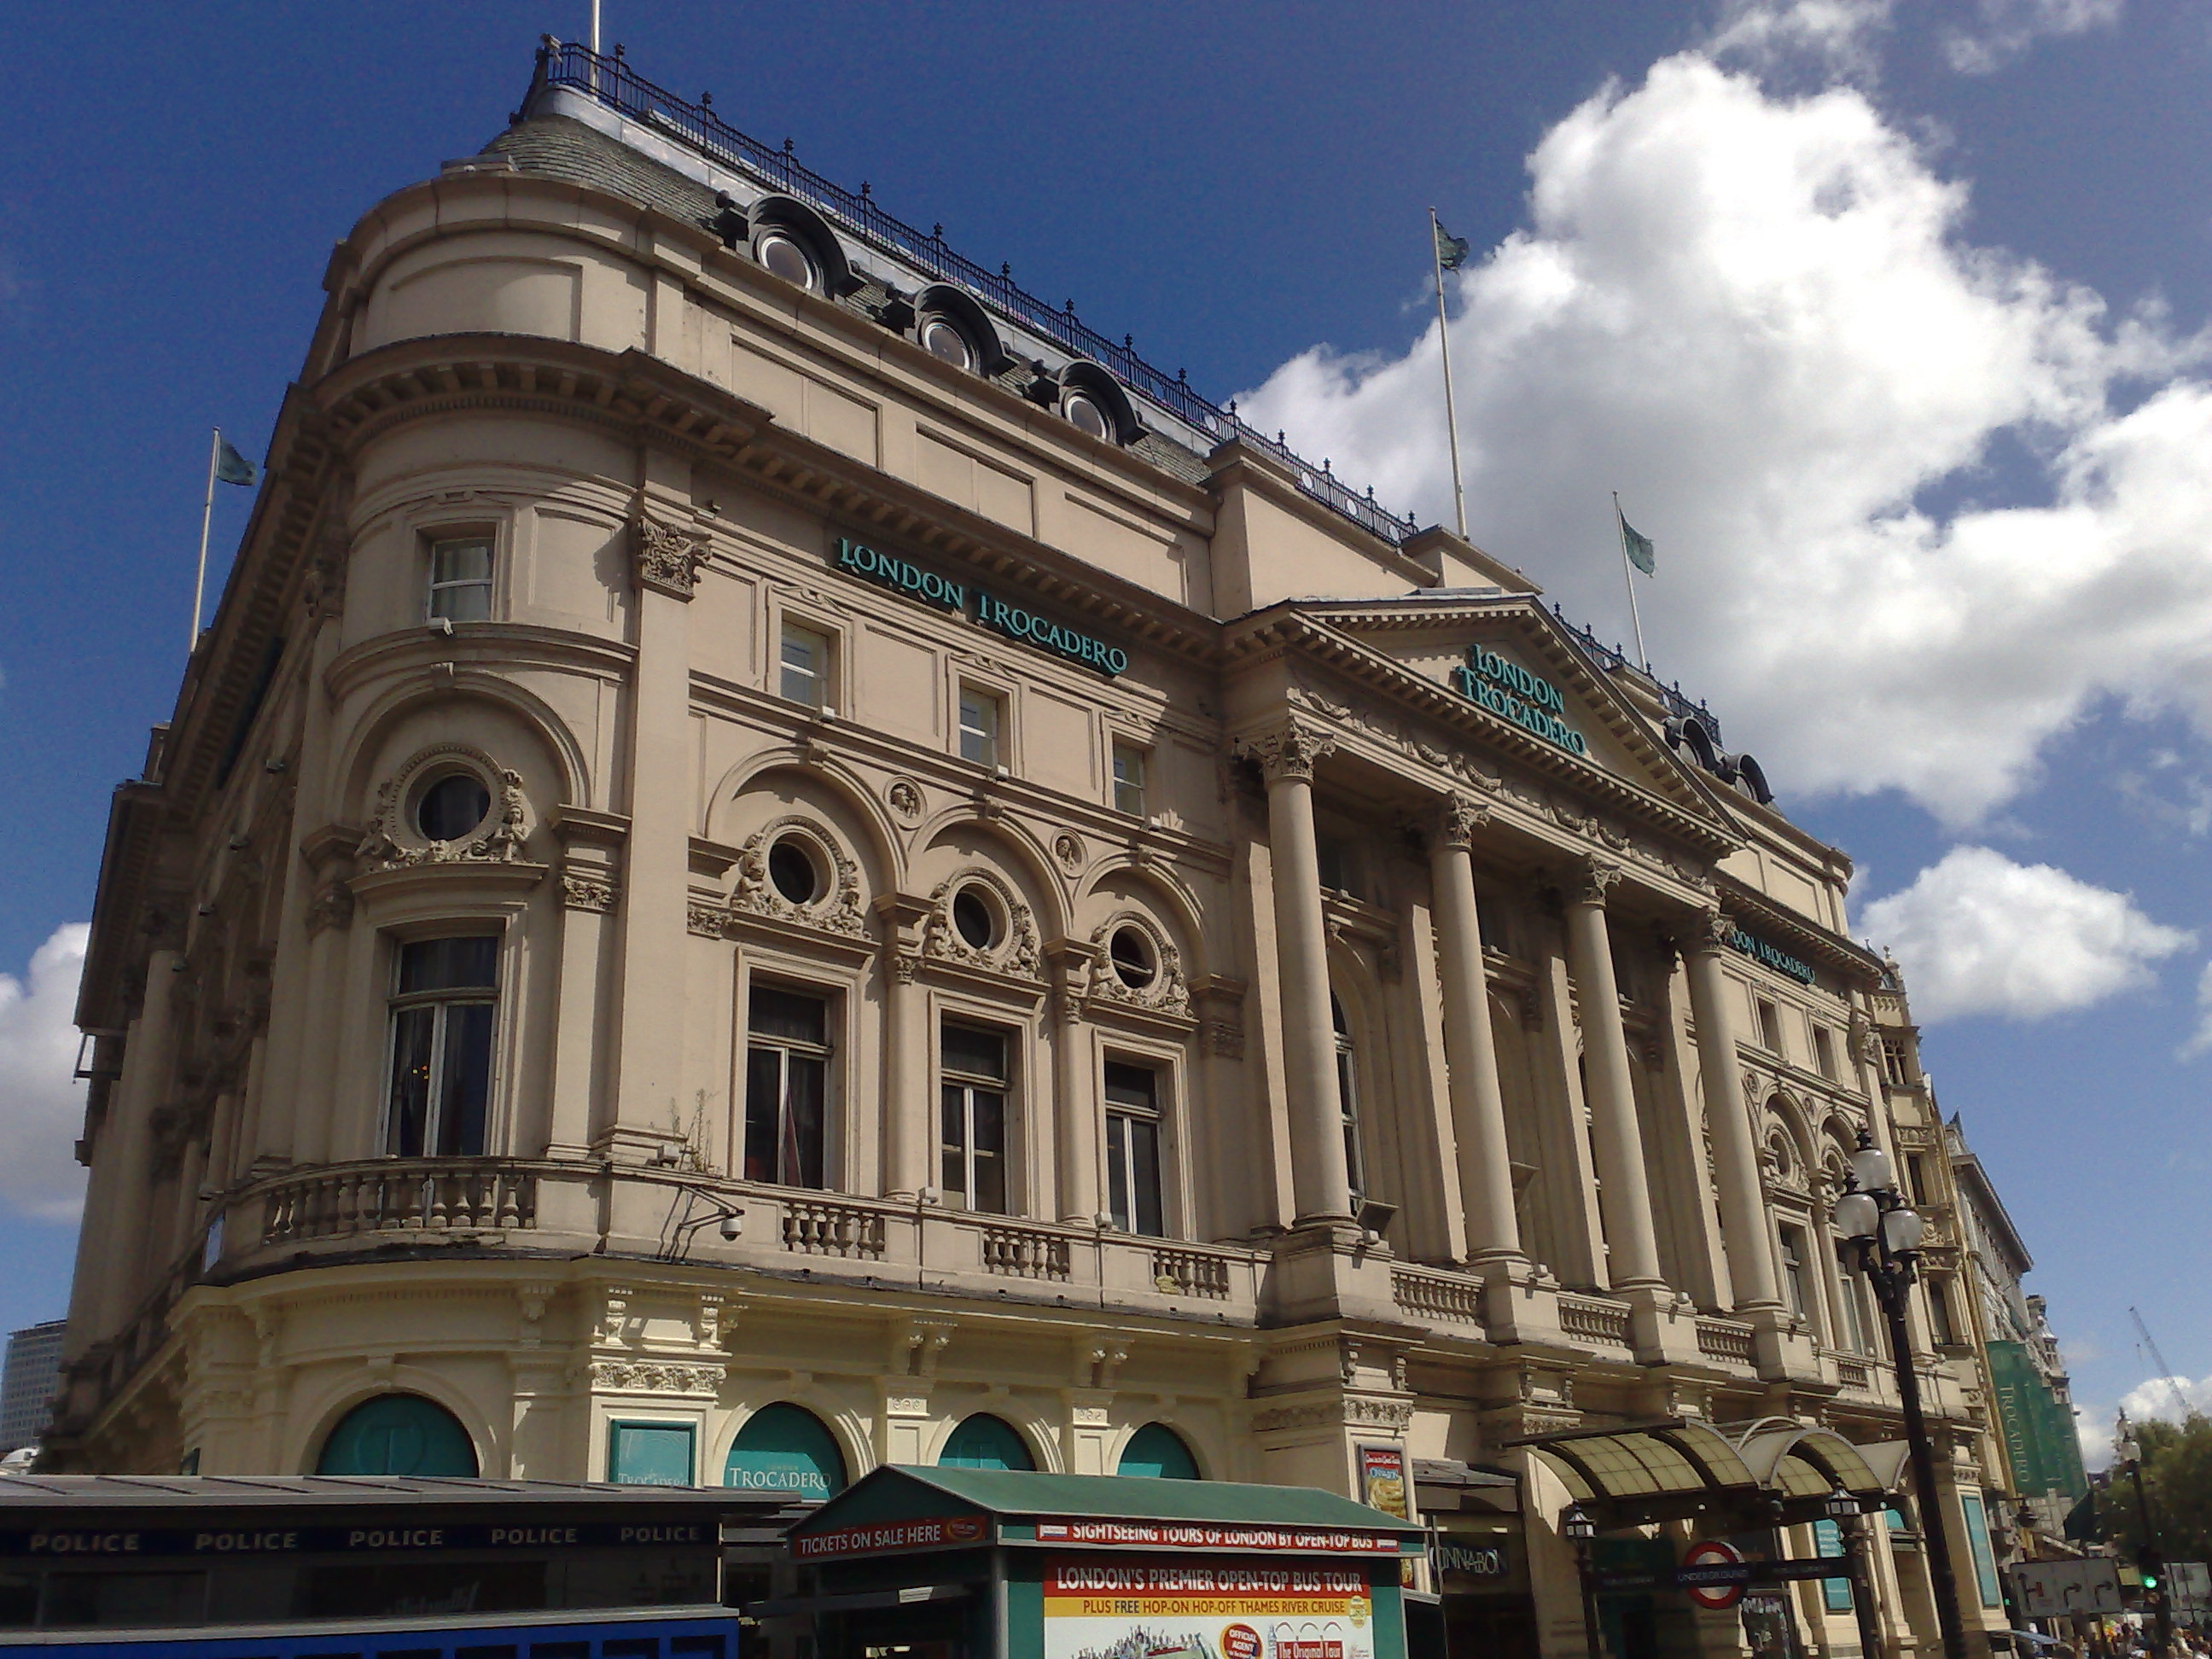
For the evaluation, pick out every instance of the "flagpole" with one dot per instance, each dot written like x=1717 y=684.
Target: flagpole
x=1628 y=580
x=1444 y=340
x=207 y=512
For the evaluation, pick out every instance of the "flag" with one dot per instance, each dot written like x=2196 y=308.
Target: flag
x=1451 y=251
x=230 y=466
x=1638 y=546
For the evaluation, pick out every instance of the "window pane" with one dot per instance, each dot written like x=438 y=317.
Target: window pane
x=805 y=658
x=974 y=1053
x=1128 y=779
x=1117 y=1169
x=1145 y=1174
x=791 y=1016
x=764 y=1112
x=468 y=602
x=411 y=1029
x=803 y=1121
x=465 y=1090
x=952 y=1143
x=1133 y=1085
x=462 y=562
x=989 y=1110
x=445 y=964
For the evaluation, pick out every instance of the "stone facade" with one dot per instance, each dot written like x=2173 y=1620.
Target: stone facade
x=1582 y=1015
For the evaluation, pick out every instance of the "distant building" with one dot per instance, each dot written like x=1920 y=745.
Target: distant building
x=26 y=1387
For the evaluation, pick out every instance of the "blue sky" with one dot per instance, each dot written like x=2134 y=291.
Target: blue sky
x=1885 y=318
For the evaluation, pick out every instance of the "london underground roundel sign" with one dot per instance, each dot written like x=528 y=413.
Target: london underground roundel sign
x=1713 y=1553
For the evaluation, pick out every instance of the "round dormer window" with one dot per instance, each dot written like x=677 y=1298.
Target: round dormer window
x=781 y=253
x=1131 y=954
x=453 y=807
x=974 y=918
x=793 y=872
x=1085 y=414
x=944 y=340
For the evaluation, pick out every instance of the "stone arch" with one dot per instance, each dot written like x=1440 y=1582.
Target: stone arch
x=795 y=1425
x=1045 y=886
x=1186 y=919
x=1155 y=1443
x=986 y=1433
x=352 y=1390
x=570 y=766
x=876 y=834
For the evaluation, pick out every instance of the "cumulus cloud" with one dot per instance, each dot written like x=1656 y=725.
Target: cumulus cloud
x=1976 y=934
x=1834 y=37
x=1757 y=316
x=2005 y=29
x=41 y=1104
x=2156 y=1398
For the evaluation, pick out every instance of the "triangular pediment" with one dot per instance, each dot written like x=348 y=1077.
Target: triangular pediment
x=1513 y=659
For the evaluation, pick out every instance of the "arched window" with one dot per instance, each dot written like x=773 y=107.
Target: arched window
x=398 y=1434
x=785 y=1449
x=1156 y=1449
x=1347 y=1098
x=984 y=1441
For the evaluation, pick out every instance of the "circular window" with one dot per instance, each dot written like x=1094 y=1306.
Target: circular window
x=451 y=807
x=974 y=918
x=781 y=253
x=1130 y=953
x=941 y=339
x=792 y=868
x=1086 y=416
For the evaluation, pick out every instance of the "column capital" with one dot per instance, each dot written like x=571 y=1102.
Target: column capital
x=666 y=557
x=1292 y=750
x=1590 y=881
x=1708 y=933
x=1453 y=820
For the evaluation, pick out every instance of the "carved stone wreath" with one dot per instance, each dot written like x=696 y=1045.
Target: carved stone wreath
x=394 y=843
x=1168 y=993
x=838 y=910
x=1016 y=952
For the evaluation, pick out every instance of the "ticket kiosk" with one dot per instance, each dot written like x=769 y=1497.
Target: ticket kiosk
x=997 y=1563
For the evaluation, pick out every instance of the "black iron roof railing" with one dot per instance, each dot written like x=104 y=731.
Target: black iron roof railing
x=610 y=81
x=1612 y=656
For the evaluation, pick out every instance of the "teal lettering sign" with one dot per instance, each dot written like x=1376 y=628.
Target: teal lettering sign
x=1781 y=961
x=1511 y=692
x=993 y=612
x=649 y=1453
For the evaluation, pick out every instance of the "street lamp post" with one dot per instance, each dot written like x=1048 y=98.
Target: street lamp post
x=1578 y=1529
x=1842 y=1509
x=2150 y=1560
x=1874 y=1215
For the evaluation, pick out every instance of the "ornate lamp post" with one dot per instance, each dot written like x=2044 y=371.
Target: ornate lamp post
x=1842 y=1509
x=2150 y=1560
x=1873 y=1215
x=1578 y=1529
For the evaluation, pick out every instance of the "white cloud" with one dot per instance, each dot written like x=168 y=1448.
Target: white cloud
x=1976 y=934
x=2200 y=1039
x=2153 y=1399
x=1835 y=37
x=41 y=1105
x=1757 y=317
x=2007 y=28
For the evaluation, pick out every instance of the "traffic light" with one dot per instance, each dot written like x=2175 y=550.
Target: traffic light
x=2151 y=1566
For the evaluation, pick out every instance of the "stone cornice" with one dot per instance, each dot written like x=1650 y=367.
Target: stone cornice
x=514 y=647
x=1756 y=913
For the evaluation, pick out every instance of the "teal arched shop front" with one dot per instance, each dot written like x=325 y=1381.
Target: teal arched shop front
x=785 y=1449
x=984 y=1441
x=1157 y=1449
x=398 y=1434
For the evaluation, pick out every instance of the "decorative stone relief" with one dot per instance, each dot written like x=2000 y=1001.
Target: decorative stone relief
x=1590 y=884
x=655 y=1377
x=666 y=559
x=332 y=907
x=1016 y=950
x=1291 y=751
x=588 y=889
x=706 y=920
x=1069 y=851
x=837 y=909
x=1167 y=993
x=394 y=843
x=904 y=797
x=1455 y=820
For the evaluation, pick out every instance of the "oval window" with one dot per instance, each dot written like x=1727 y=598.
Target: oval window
x=794 y=872
x=781 y=253
x=1084 y=413
x=974 y=918
x=941 y=339
x=1130 y=953
x=451 y=807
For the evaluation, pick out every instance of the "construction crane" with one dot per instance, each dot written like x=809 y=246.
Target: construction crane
x=2165 y=1370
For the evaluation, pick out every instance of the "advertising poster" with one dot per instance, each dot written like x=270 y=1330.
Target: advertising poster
x=1167 y=1609
x=1383 y=1480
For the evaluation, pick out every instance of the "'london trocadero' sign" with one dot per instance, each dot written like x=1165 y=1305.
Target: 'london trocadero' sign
x=1511 y=692
x=993 y=612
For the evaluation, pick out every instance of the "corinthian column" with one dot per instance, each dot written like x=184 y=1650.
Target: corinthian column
x=1624 y=1191
x=1319 y=1183
x=1736 y=1156
x=1478 y=1109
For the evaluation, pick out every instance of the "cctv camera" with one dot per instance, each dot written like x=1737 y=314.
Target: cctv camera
x=733 y=1224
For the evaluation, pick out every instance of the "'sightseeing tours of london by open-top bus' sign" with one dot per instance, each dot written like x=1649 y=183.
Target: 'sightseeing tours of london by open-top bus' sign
x=1511 y=692
x=995 y=613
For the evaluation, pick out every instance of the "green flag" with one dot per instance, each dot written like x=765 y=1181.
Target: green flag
x=1638 y=546
x=230 y=466
x=1451 y=251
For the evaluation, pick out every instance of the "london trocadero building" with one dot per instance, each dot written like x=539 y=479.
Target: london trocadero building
x=779 y=859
